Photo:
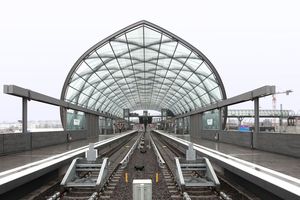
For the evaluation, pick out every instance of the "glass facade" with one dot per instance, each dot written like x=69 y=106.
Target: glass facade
x=75 y=120
x=143 y=67
x=211 y=120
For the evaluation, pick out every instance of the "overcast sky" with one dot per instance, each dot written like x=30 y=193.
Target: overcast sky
x=251 y=43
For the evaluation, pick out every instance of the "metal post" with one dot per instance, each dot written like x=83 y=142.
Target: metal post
x=256 y=121
x=24 y=115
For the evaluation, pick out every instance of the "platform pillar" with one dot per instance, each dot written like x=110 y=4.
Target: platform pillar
x=24 y=114
x=64 y=120
x=220 y=119
x=256 y=123
x=105 y=129
x=183 y=125
x=196 y=125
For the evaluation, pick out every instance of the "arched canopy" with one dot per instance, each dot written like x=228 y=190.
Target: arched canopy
x=143 y=66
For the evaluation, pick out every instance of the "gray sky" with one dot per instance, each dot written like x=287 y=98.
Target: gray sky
x=251 y=43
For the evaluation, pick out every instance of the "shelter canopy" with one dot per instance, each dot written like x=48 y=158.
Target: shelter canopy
x=143 y=66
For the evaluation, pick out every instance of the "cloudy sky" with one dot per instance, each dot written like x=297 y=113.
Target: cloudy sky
x=251 y=43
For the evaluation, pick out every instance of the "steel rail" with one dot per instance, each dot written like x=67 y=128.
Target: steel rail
x=125 y=160
x=160 y=159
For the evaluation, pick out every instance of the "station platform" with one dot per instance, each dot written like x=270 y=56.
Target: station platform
x=11 y=161
x=285 y=164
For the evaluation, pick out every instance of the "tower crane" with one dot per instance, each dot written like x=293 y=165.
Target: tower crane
x=274 y=101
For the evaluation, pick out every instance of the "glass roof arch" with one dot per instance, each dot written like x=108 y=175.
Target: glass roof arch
x=143 y=67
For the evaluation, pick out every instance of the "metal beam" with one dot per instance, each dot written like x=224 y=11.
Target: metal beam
x=32 y=95
x=251 y=95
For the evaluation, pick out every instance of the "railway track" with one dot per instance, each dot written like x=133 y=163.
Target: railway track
x=168 y=152
x=114 y=172
x=118 y=186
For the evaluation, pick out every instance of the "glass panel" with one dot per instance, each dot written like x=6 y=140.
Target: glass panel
x=88 y=90
x=83 y=69
x=75 y=120
x=135 y=35
x=151 y=36
x=210 y=83
x=71 y=93
x=105 y=53
x=77 y=83
x=93 y=61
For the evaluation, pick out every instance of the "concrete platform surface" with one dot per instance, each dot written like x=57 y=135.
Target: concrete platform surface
x=281 y=163
x=22 y=158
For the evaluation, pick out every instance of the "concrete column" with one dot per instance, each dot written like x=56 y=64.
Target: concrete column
x=64 y=120
x=24 y=115
x=220 y=119
x=175 y=127
x=281 y=116
x=183 y=125
x=114 y=127
x=188 y=122
x=201 y=122
x=256 y=122
x=105 y=126
x=92 y=123
x=196 y=125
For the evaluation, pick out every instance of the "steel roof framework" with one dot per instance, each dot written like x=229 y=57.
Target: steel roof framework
x=143 y=66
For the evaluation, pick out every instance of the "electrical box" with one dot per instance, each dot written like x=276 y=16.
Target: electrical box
x=142 y=189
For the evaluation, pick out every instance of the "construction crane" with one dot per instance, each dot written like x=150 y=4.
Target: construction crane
x=274 y=101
